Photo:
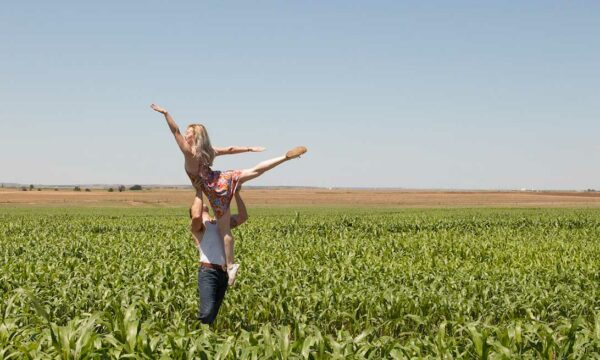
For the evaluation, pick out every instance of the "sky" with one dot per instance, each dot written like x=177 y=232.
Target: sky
x=403 y=94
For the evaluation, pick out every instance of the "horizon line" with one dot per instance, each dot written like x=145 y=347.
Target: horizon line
x=391 y=188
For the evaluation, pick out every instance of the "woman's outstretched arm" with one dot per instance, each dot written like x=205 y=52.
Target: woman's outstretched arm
x=183 y=145
x=237 y=150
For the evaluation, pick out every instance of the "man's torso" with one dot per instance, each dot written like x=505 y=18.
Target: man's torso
x=211 y=246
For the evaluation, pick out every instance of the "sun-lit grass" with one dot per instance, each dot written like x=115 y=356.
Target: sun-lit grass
x=314 y=283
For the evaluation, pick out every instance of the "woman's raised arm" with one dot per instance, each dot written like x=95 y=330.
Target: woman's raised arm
x=183 y=145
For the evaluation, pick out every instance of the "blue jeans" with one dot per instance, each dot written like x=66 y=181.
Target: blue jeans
x=212 y=285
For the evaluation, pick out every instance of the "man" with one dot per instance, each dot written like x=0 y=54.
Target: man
x=212 y=276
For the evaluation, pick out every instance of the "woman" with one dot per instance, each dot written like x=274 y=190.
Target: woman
x=218 y=186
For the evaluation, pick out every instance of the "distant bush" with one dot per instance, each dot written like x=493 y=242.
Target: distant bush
x=136 y=187
x=55 y=189
x=76 y=188
x=30 y=187
x=23 y=188
x=111 y=189
x=39 y=189
x=87 y=190
x=121 y=188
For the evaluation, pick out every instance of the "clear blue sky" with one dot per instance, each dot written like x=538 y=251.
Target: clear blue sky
x=435 y=94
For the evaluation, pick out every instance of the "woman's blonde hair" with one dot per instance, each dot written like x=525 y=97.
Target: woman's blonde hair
x=202 y=148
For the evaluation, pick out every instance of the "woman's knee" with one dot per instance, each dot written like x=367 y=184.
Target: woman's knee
x=223 y=223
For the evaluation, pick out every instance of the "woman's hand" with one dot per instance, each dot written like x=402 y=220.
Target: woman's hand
x=158 y=109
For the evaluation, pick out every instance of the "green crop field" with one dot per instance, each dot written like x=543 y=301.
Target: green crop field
x=471 y=283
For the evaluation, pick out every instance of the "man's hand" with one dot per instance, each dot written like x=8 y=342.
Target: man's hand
x=158 y=109
x=256 y=149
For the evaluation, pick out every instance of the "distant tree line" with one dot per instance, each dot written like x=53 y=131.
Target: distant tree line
x=121 y=188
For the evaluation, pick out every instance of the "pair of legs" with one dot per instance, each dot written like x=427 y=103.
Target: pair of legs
x=224 y=222
x=212 y=285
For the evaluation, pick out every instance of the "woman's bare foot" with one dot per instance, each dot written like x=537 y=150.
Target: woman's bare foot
x=232 y=273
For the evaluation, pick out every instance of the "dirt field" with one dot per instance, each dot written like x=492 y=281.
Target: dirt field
x=304 y=197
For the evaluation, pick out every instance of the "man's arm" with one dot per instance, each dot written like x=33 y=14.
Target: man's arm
x=197 y=236
x=242 y=214
x=183 y=145
x=237 y=150
x=197 y=225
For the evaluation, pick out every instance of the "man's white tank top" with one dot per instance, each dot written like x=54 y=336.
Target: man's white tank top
x=211 y=247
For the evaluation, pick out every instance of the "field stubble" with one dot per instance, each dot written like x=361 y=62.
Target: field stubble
x=288 y=197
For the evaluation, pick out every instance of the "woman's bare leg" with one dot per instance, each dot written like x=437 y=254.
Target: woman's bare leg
x=223 y=223
x=224 y=226
x=261 y=168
